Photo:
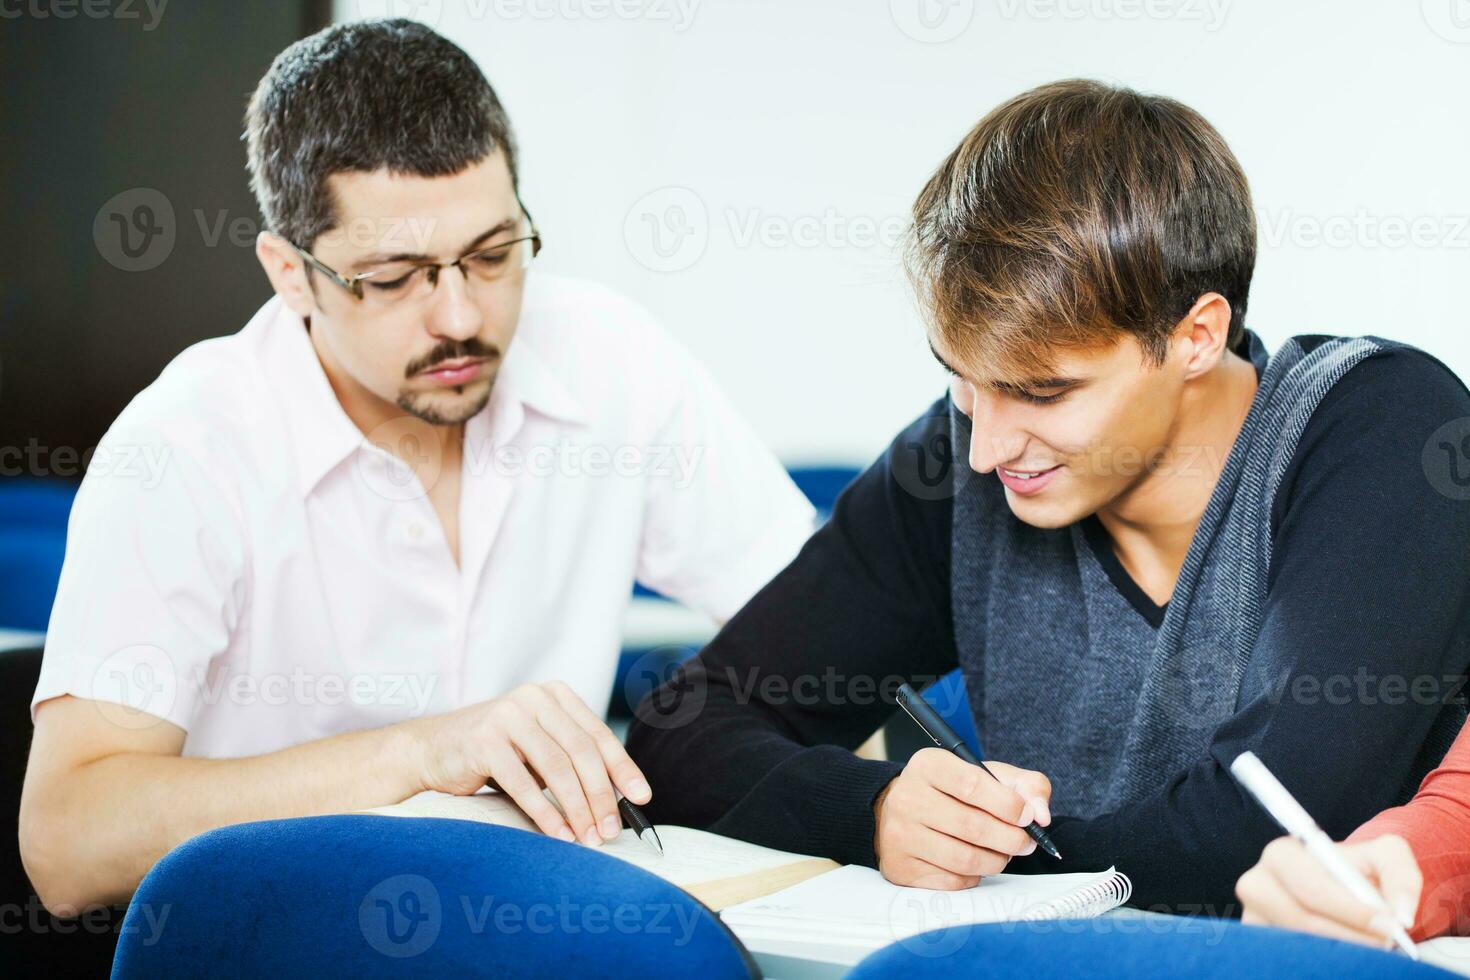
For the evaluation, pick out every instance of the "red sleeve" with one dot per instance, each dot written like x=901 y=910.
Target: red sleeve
x=1436 y=823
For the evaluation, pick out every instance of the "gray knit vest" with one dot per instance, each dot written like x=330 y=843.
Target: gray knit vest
x=1065 y=676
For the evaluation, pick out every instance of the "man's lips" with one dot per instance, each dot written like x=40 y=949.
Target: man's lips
x=455 y=372
x=1026 y=481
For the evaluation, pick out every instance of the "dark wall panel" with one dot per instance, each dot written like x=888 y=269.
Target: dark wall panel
x=98 y=291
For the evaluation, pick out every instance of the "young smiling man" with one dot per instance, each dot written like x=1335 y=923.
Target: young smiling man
x=1147 y=544
x=402 y=510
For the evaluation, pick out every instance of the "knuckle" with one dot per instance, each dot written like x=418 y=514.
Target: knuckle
x=508 y=712
x=974 y=826
x=1278 y=849
x=968 y=861
x=992 y=864
x=972 y=785
x=1248 y=887
x=580 y=743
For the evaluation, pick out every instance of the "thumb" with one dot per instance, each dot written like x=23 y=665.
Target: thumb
x=1032 y=786
x=1389 y=861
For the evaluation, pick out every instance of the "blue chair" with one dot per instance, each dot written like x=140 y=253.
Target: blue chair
x=33 y=515
x=1152 y=948
x=822 y=484
x=371 y=896
x=950 y=700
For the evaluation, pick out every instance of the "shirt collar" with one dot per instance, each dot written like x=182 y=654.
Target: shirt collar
x=1252 y=349
x=322 y=434
x=528 y=378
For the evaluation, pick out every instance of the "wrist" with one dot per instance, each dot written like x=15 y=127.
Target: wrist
x=878 y=802
x=411 y=742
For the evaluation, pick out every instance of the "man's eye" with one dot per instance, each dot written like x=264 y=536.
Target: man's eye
x=490 y=259
x=391 y=285
x=1035 y=399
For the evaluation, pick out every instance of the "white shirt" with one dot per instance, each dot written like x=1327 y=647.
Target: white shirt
x=242 y=562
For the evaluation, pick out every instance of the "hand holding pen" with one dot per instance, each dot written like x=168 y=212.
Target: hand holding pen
x=1326 y=858
x=939 y=826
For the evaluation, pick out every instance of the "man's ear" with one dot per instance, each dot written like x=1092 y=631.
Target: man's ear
x=1205 y=330
x=287 y=272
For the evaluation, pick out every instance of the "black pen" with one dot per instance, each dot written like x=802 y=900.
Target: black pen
x=943 y=736
x=640 y=823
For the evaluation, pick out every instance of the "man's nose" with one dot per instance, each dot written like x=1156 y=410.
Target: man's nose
x=995 y=437
x=452 y=311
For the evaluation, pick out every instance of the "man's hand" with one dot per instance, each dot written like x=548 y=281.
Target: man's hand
x=1290 y=889
x=537 y=735
x=943 y=823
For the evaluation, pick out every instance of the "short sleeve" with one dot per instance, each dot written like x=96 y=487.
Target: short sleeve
x=151 y=587
x=722 y=515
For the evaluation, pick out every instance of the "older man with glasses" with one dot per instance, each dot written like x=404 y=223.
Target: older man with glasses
x=401 y=511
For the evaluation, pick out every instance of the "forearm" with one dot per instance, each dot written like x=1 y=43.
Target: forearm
x=90 y=833
x=1185 y=846
x=754 y=737
x=739 y=769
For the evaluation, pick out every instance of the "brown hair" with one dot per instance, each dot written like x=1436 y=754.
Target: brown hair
x=1072 y=214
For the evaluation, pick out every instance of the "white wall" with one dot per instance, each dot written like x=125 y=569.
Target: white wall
x=1349 y=116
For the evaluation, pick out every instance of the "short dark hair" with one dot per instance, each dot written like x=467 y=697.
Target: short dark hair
x=1076 y=212
x=359 y=97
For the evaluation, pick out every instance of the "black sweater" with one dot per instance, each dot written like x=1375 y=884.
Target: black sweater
x=1370 y=563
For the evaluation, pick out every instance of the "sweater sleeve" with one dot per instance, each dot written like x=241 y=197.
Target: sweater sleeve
x=1436 y=825
x=753 y=737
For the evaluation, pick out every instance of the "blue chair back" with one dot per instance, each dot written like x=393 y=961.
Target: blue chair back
x=33 y=515
x=371 y=896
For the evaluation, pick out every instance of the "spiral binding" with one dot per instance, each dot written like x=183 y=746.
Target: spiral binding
x=1086 y=902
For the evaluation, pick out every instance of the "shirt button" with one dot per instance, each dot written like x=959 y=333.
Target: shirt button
x=416 y=531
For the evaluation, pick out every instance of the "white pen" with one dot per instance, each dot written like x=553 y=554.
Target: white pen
x=1252 y=773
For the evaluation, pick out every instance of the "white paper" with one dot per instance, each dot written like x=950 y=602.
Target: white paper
x=858 y=906
x=690 y=856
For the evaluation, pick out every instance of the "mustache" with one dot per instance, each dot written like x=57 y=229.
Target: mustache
x=451 y=350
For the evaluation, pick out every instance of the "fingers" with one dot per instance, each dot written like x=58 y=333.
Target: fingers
x=1032 y=786
x=556 y=768
x=972 y=785
x=938 y=818
x=949 y=816
x=620 y=766
x=594 y=789
x=509 y=773
x=578 y=757
x=1317 y=892
x=917 y=873
x=956 y=856
x=1290 y=889
x=1389 y=862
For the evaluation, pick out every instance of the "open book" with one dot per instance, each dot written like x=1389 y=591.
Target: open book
x=719 y=871
x=806 y=907
x=846 y=914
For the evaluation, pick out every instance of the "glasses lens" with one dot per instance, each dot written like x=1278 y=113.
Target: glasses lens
x=497 y=261
x=393 y=284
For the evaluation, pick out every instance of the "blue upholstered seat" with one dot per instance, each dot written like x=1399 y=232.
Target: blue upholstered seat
x=369 y=896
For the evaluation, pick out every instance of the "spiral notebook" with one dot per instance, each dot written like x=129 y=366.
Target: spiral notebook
x=843 y=915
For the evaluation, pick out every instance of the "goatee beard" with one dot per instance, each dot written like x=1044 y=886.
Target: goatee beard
x=420 y=405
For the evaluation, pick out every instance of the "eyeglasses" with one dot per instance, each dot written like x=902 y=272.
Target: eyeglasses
x=402 y=283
